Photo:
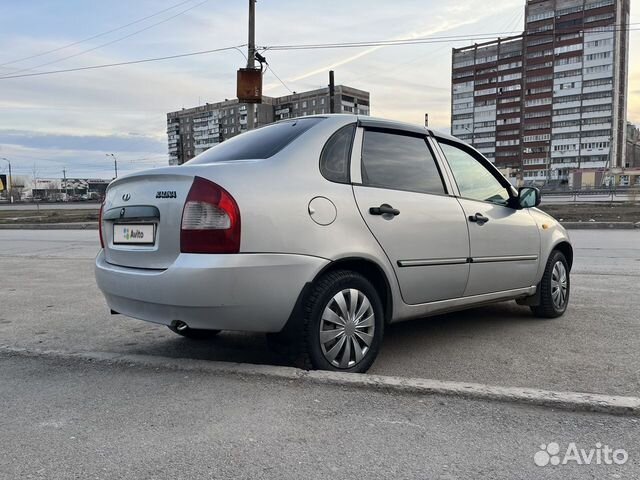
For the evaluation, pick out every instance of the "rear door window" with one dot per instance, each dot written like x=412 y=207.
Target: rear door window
x=399 y=161
x=261 y=143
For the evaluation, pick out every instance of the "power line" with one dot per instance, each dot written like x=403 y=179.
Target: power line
x=423 y=40
x=111 y=42
x=93 y=37
x=132 y=62
x=380 y=43
x=279 y=79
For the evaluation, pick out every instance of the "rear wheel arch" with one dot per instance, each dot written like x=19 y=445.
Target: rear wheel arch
x=367 y=268
x=291 y=340
x=372 y=272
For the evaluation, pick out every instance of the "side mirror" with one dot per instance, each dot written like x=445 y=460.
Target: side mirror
x=528 y=197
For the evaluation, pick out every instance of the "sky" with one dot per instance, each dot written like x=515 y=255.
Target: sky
x=73 y=121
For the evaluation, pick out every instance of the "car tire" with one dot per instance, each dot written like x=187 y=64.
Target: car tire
x=329 y=342
x=554 y=287
x=193 y=333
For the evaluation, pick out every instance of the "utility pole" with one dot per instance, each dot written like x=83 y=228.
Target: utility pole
x=332 y=92
x=115 y=163
x=251 y=58
x=10 y=180
x=64 y=181
x=35 y=189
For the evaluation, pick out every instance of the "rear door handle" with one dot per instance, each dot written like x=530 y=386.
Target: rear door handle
x=384 y=209
x=478 y=218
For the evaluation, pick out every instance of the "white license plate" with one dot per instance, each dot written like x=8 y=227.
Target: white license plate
x=134 y=234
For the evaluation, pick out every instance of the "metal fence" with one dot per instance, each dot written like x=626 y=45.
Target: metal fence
x=615 y=194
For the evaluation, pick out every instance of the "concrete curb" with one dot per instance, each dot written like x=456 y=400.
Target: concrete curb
x=600 y=225
x=50 y=226
x=573 y=401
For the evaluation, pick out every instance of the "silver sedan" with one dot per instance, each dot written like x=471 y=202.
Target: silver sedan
x=320 y=231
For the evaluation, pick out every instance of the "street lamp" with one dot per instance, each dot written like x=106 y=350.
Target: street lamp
x=115 y=162
x=10 y=181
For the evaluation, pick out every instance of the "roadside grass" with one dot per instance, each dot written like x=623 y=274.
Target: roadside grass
x=48 y=216
x=597 y=211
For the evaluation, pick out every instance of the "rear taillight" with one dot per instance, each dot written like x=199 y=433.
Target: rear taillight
x=100 y=225
x=210 y=220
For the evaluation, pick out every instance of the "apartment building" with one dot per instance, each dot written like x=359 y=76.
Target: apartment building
x=191 y=131
x=633 y=147
x=552 y=99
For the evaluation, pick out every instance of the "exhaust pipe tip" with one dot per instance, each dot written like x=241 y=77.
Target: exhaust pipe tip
x=181 y=326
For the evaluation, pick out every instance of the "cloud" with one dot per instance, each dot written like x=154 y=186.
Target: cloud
x=107 y=143
x=425 y=33
x=73 y=119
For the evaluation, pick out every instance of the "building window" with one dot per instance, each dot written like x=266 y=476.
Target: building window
x=599 y=43
x=538 y=101
x=597 y=18
x=567 y=48
x=536 y=138
x=602 y=3
x=540 y=16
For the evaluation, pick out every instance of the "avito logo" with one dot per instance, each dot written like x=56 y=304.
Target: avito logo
x=133 y=234
x=550 y=454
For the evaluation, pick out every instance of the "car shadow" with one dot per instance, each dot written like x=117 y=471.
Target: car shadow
x=403 y=341
x=228 y=346
x=465 y=322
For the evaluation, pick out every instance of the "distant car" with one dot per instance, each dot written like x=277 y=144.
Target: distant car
x=321 y=231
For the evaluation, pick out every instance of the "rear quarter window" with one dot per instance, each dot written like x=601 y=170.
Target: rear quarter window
x=261 y=143
x=334 y=160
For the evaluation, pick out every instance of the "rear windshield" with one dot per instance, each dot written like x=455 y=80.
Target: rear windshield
x=263 y=142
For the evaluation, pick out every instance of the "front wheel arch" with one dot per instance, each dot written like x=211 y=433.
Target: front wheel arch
x=567 y=250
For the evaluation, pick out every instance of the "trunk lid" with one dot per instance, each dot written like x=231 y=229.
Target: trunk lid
x=140 y=205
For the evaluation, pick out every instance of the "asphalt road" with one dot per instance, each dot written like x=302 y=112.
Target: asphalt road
x=48 y=300
x=63 y=420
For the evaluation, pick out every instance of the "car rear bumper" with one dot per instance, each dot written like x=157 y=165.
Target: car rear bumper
x=249 y=292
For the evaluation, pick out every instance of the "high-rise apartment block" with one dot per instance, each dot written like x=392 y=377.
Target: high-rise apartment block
x=552 y=99
x=192 y=131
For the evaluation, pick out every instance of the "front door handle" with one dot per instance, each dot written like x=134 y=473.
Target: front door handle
x=478 y=218
x=384 y=209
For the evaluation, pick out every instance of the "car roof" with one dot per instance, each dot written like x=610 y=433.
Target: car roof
x=390 y=124
x=378 y=122
x=397 y=125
